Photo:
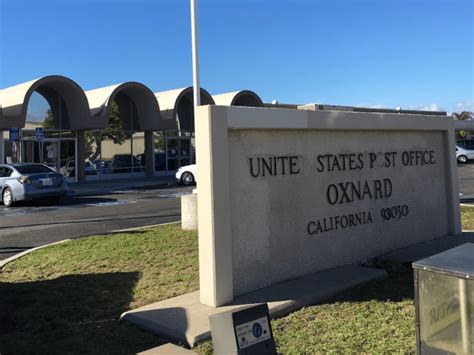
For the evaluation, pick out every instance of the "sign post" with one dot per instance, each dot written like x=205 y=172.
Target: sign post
x=39 y=137
x=14 y=137
x=39 y=134
x=194 y=35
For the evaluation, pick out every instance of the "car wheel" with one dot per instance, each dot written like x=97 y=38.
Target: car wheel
x=462 y=159
x=187 y=178
x=7 y=197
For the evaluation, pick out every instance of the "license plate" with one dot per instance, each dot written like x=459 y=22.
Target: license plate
x=47 y=182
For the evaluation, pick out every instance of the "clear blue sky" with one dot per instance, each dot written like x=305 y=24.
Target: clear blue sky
x=409 y=53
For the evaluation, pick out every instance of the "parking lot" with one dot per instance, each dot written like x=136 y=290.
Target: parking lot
x=32 y=224
x=29 y=225
x=466 y=180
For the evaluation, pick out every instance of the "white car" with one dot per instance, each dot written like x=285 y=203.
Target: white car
x=463 y=155
x=186 y=175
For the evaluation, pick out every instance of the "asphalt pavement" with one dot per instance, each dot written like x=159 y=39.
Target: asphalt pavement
x=97 y=208
x=466 y=182
x=32 y=224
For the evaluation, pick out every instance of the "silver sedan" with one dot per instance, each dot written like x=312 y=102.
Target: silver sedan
x=24 y=181
x=463 y=154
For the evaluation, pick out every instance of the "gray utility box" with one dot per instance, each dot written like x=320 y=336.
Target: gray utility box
x=444 y=300
x=243 y=331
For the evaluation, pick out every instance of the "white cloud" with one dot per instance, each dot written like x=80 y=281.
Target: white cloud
x=467 y=105
x=430 y=107
x=372 y=106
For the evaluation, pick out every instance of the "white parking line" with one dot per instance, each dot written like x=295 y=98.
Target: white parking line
x=109 y=203
x=174 y=195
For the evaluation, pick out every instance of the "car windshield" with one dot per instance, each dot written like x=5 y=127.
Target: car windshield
x=33 y=169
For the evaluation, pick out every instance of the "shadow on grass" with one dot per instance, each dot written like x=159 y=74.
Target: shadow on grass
x=398 y=286
x=70 y=314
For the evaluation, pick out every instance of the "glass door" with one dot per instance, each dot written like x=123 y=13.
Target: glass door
x=30 y=151
x=172 y=162
x=185 y=151
x=50 y=154
x=11 y=152
x=67 y=163
x=46 y=152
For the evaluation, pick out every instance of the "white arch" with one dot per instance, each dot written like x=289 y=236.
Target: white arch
x=148 y=109
x=178 y=105
x=14 y=102
x=239 y=98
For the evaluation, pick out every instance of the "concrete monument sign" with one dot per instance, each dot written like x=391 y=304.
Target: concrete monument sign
x=285 y=193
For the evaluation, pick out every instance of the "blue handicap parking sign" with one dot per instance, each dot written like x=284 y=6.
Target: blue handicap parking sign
x=15 y=134
x=39 y=134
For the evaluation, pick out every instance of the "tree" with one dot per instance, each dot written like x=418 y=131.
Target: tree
x=462 y=116
x=48 y=122
x=115 y=130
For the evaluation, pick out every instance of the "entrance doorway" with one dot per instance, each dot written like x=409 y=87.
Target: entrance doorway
x=57 y=153
x=173 y=149
x=46 y=152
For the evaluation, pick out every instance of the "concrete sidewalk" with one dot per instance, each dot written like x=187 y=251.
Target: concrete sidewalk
x=95 y=188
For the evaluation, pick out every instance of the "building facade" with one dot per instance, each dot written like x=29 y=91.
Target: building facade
x=119 y=131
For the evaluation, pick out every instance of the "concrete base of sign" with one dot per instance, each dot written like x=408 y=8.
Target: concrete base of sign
x=189 y=216
x=185 y=319
x=167 y=349
x=427 y=249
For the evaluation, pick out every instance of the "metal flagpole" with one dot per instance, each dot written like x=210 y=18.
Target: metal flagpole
x=194 y=34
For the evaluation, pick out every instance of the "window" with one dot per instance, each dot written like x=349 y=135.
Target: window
x=466 y=144
x=33 y=169
x=5 y=172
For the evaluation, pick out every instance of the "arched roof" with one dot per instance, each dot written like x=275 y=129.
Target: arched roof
x=178 y=105
x=145 y=104
x=62 y=94
x=239 y=98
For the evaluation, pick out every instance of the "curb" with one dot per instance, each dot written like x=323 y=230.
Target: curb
x=26 y=252
x=99 y=192
x=143 y=227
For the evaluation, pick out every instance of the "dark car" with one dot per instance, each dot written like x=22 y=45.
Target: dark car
x=160 y=160
x=122 y=163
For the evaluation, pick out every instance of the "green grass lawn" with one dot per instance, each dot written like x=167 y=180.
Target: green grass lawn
x=69 y=297
x=467 y=217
